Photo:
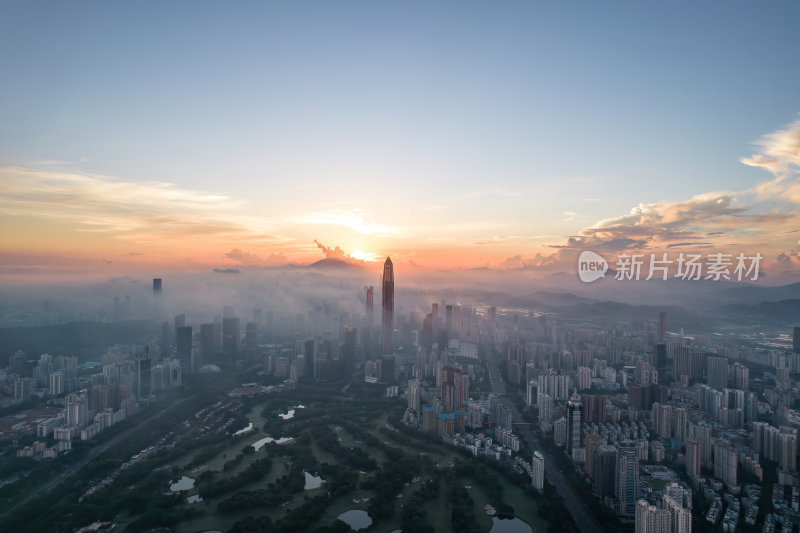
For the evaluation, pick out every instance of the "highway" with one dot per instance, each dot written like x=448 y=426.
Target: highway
x=581 y=515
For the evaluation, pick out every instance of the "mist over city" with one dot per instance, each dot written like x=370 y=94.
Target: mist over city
x=512 y=267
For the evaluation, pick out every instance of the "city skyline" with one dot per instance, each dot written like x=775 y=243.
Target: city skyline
x=580 y=223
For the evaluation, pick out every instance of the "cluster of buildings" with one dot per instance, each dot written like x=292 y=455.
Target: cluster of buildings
x=89 y=397
x=674 y=515
x=47 y=375
x=612 y=398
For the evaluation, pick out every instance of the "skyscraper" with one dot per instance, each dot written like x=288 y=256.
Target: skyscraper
x=370 y=308
x=455 y=389
x=627 y=479
x=604 y=462
x=652 y=519
x=207 y=347
x=251 y=338
x=574 y=423
x=448 y=320
x=230 y=338
x=537 y=469
x=662 y=326
x=796 y=340
x=156 y=287
x=387 y=304
x=143 y=379
x=693 y=458
x=725 y=462
x=183 y=340
x=717 y=372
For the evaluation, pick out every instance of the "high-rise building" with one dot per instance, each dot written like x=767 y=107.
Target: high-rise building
x=662 y=327
x=370 y=307
x=593 y=440
x=604 y=463
x=662 y=363
x=545 y=402
x=76 y=408
x=678 y=502
x=387 y=305
x=537 y=470
x=448 y=320
x=453 y=392
x=651 y=519
x=725 y=463
x=347 y=354
x=22 y=389
x=693 y=458
x=560 y=431
x=414 y=395
x=574 y=423
x=627 y=480
x=156 y=287
x=702 y=432
x=583 y=378
x=207 y=348
x=166 y=341
x=230 y=338
x=741 y=376
x=717 y=372
x=143 y=378
x=251 y=338
x=686 y=362
x=594 y=408
x=183 y=341
x=56 y=383
x=796 y=340
x=435 y=322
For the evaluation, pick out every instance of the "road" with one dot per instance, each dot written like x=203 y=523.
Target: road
x=581 y=515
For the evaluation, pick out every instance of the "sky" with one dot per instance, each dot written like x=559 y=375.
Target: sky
x=187 y=136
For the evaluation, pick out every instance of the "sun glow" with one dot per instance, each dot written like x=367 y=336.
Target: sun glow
x=363 y=256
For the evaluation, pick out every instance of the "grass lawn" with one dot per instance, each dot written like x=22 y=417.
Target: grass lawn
x=438 y=511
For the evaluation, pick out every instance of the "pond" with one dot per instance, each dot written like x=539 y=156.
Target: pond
x=290 y=413
x=356 y=519
x=194 y=499
x=266 y=440
x=245 y=430
x=509 y=525
x=313 y=481
x=184 y=483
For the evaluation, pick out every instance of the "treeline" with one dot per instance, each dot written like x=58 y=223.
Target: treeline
x=255 y=472
x=354 y=457
x=414 y=516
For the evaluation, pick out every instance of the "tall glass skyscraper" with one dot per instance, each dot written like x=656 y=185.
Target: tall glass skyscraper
x=387 y=284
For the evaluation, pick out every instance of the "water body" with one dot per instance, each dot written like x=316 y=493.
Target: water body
x=194 y=499
x=312 y=481
x=357 y=520
x=184 y=483
x=290 y=413
x=509 y=525
x=266 y=440
x=245 y=430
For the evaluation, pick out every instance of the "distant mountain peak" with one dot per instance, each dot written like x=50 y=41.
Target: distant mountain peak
x=334 y=263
